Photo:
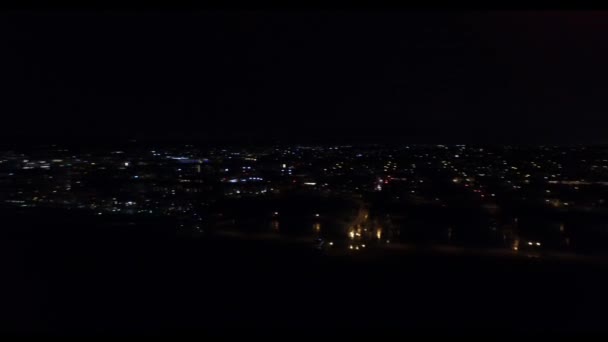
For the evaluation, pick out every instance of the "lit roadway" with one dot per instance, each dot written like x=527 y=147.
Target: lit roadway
x=375 y=249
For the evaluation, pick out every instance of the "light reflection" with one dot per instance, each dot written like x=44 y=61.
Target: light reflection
x=275 y=225
x=516 y=245
x=316 y=227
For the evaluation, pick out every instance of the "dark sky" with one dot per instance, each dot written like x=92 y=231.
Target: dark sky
x=405 y=76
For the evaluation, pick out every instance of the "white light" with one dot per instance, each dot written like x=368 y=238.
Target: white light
x=310 y=183
x=363 y=246
x=126 y=163
x=316 y=215
x=331 y=243
x=530 y=243
x=538 y=243
x=350 y=247
x=284 y=165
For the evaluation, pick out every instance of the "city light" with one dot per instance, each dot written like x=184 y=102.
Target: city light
x=148 y=184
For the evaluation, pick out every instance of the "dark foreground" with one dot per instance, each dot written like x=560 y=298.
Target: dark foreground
x=115 y=281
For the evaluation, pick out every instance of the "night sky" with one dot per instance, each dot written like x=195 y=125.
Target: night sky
x=439 y=77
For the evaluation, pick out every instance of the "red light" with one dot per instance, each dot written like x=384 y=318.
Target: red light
x=385 y=182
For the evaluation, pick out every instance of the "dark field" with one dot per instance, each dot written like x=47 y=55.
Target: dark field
x=61 y=276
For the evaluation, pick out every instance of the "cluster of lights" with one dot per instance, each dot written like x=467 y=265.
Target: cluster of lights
x=356 y=247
